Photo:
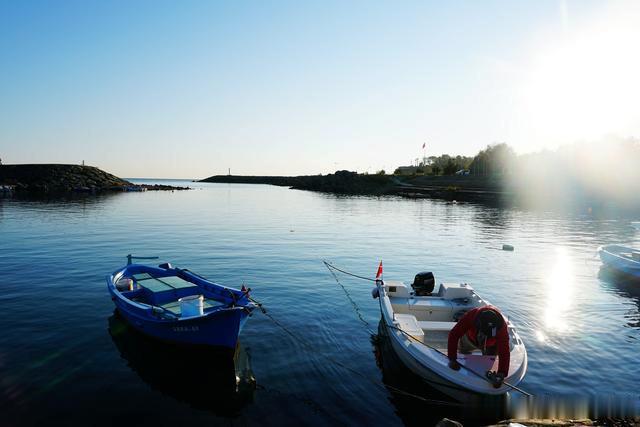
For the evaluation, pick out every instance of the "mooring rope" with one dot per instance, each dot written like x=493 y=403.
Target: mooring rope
x=346 y=292
x=330 y=266
x=313 y=350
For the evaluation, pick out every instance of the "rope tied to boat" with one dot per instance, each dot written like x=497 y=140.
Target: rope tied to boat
x=346 y=292
x=307 y=345
x=311 y=348
x=333 y=267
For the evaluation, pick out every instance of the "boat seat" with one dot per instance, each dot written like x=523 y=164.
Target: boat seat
x=409 y=324
x=433 y=326
x=161 y=290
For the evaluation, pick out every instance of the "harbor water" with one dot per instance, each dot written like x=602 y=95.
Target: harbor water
x=67 y=358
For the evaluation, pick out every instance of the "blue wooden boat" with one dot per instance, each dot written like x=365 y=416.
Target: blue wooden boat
x=176 y=305
x=621 y=258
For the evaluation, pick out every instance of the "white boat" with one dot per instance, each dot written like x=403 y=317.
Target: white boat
x=418 y=327
x=621 y=258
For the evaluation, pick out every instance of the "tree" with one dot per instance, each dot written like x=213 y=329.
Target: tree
x=494 y=160
x=450 y=167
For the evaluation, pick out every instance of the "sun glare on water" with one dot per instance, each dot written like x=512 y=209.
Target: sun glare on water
x=559 y=295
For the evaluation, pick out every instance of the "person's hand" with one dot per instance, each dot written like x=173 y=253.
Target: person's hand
x=453 y=364
x=496 y=378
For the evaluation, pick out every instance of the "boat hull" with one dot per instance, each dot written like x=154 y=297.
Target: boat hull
x=219 y=329
x=433 y=379
x=611 y=257
x=431 y=364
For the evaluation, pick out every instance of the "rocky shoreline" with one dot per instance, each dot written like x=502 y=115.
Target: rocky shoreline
x=460 y=188
x=60 y=179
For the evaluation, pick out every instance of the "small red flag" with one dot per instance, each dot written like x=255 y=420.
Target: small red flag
x=379 y=273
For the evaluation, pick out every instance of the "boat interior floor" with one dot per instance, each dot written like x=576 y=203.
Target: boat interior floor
x=166 y=291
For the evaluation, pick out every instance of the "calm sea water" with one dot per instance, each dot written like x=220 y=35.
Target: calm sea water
x=66 y=358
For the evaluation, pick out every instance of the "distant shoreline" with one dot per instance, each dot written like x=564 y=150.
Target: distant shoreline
x=460 y=188
x=62 y=179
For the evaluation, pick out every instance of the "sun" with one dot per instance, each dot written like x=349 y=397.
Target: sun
x=584 y=84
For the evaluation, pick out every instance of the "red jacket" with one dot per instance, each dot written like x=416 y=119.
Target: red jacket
x=468 y=325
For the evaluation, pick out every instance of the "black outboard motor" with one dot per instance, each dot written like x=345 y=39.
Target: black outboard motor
x=423 y=284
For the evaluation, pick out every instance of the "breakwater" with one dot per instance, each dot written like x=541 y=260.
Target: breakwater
x=65 y=179
x=341 y=182
x=463 y=188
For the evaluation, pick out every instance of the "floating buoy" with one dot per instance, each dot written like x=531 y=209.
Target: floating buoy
x=507 y=248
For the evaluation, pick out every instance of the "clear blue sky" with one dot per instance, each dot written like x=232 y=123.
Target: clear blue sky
x=189 y=89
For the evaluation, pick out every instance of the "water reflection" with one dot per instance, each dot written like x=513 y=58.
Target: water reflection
x=208 y=379
x=417 y=403
x=626 y=286
x=494 y=222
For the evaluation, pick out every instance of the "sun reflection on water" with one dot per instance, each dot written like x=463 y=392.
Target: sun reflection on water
x=559 y=295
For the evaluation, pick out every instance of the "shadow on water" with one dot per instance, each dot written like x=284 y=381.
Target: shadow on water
x=625 y=285
x=431 y=405
x=208 y=379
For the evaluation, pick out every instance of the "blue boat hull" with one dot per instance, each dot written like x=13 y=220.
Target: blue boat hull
x=220 y=329
x=145 y=308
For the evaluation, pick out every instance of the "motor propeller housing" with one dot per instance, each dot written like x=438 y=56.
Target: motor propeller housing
x=423 y=283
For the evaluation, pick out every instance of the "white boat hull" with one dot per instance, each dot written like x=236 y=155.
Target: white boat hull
x=430 y=362
x=621 y=258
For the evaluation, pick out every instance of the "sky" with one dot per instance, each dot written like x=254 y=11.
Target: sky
x=189 y=89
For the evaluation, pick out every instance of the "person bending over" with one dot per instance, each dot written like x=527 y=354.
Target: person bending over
x=486 y=329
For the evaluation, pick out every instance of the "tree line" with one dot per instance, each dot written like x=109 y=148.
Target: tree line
x=497 y=159
x=607 y=165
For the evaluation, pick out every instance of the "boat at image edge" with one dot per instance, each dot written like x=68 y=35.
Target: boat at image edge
x=179 y=306
x=621 y=258
x=428 y=319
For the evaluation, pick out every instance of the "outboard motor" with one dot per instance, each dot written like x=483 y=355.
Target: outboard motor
x=423 y=283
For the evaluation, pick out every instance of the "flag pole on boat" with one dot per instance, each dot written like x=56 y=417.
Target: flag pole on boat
x=379 y=272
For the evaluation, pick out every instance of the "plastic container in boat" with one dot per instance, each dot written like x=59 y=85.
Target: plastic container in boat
x=193 y=305
x=124 y=284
